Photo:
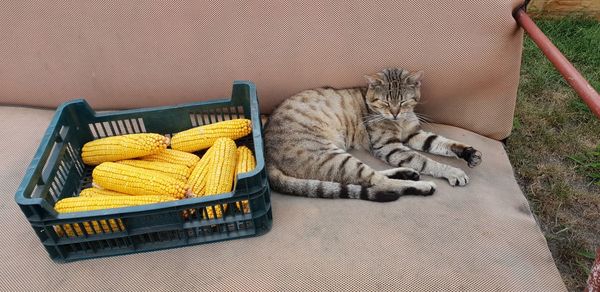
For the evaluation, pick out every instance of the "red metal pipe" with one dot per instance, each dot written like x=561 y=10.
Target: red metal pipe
x=566 y=69
x=593 y=283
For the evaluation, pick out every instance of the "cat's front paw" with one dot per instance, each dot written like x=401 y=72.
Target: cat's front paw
x=456 y=177
x=472 y=156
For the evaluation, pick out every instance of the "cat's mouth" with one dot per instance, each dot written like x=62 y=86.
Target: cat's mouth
x=402 y=117
x=399 y=117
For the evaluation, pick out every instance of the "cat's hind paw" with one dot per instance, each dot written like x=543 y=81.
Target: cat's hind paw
x=403 y=173
x=391 y=190
x=421 y=188
x=456 y=177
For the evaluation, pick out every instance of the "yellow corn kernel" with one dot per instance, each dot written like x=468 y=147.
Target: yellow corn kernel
x=122 y=147
x=210 y=214
x=180 y=172
x=217 y=213
x=174 y=156
x=245 y=163
x=137 y=181
x=221 y=170
x=94 y=192
x=203 y=137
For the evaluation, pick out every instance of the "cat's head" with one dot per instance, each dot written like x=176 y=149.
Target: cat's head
x=393 y=93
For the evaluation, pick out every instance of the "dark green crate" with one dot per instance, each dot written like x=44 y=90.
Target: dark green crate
x=57 y=172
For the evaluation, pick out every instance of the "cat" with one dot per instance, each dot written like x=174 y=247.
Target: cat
x=307 y=136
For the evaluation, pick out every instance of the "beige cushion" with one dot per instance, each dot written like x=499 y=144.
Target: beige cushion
x=476 y=238
x=121 y=54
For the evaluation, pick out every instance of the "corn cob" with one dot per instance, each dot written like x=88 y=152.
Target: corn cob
x=180 y=172
x=93 y=199
x=94 y=192
x=221 y=173
x=174 y=156
x=198 y=180
x=122 y=147
x=137 y=181
x=221 y=170
x=199 y=176
x=91 y=228
x=245 y=160
x=203 y=137
x=80 y=204
x=245 y=163
x=96 y=227
x=216 y=173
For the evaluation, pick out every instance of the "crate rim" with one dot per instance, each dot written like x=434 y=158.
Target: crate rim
x=35 y=165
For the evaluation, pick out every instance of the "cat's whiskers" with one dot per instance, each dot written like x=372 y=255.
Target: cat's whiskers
x=367 y=118
x=424 y=119
x=413 y=117
x=424 y=122
x=424 y=116
x=373 y=118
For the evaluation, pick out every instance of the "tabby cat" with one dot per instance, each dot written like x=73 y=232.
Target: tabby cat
x=307 y=136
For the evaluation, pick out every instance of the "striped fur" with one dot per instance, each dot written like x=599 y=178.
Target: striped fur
x=307 y=137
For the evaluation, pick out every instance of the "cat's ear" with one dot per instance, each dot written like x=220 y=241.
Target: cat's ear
x=373 y=80
x=415 y=78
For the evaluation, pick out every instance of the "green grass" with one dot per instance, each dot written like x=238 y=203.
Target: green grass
x=589 y=164
x=555 y=146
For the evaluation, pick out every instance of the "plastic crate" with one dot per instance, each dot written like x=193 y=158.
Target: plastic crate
x=57 y=172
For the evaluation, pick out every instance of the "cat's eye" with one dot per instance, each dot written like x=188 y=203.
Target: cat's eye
x=408 y=103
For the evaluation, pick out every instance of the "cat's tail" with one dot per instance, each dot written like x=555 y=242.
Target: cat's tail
x=324 y=189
